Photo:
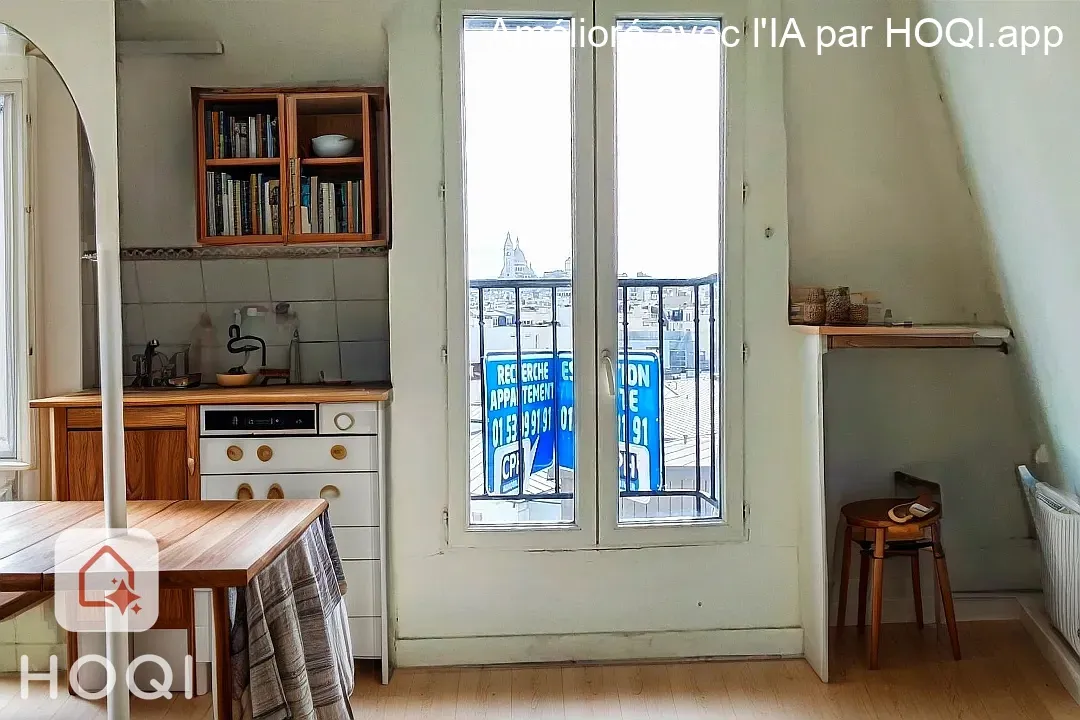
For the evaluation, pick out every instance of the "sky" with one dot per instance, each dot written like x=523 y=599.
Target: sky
x=519 y=119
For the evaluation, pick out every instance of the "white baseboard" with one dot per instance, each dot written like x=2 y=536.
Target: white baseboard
x=968 y=607
x=596 y=647
x=1057 y=652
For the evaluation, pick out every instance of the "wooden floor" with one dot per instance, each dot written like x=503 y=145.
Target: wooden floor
x=1002 y=676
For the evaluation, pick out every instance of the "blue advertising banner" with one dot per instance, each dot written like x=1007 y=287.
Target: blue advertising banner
x=638 y=392
x=518 y=448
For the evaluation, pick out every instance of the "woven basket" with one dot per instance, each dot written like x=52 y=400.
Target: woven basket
x=837 y=305
x=859 y=315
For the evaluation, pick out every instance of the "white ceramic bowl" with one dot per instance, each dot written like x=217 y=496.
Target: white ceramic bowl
x=332 y=145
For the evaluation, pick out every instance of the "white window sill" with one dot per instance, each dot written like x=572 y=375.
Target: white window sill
x=14 y=465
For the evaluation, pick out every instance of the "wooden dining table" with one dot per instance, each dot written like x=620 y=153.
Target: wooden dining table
x=215 y=544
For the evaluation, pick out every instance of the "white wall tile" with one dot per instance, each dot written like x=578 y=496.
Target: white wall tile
x=361 y=278
x=244 y=281
x=129 y=283
x=129 y=352
x=316 y=356
x=277 y=356
x=134 y=327
x=301 y=279
x=363 y=320
x=170 y=281
x=317 y=321
x=90 y=346
x=221 y=314
x=171 y=323
x=365 y=361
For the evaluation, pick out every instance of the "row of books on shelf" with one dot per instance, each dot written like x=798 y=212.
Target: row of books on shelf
x=255 y=136
x=237 y=206
x=331 y=207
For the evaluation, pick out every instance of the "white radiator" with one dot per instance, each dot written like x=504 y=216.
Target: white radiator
x=1057 y=524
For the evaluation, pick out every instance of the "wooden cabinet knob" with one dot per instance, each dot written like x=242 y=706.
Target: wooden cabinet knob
x=265 y=452
x=235 y=453
x=330 y=492
x=191 y=466
x=244 y=492
x=275 y=493
x=338 y=452
x=344 y=421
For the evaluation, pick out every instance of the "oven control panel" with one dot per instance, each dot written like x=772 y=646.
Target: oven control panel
x=259 y=420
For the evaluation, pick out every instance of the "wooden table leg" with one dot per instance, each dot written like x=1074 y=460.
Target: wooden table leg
x=222 y=660
x=946 y=590
x=875 y=607
x=916 y=589
x=845 y=571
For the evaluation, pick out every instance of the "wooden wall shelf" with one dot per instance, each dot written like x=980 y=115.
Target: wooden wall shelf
x=258 y=182
x=910 y=336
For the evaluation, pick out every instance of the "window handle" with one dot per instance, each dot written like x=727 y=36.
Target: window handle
x=609 y=371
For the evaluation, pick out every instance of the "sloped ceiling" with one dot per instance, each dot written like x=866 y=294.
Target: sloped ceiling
x=1017 y=121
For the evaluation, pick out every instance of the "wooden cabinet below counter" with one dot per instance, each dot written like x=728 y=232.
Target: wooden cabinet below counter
x=161 y=455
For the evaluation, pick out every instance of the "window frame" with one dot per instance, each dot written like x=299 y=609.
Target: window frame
x=730 y=526
x=460 y=532
x=14 y=82
x=596 y=524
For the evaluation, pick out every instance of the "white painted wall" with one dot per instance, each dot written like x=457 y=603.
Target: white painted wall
x=271 y=42
x=878 y=200
x=1016 y=118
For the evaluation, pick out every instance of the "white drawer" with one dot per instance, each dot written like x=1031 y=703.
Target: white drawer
x=348 y=419
x=287 y=454
x=366 y=637
x=356 y=543
x=353 y=497
x=364 y=596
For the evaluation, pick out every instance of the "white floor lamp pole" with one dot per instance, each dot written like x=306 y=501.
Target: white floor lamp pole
x=112 y=434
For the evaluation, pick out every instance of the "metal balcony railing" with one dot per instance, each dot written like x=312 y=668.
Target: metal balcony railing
x=668 y=324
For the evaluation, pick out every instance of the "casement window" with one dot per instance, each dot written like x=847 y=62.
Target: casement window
x=14 y=289
x=594 y=175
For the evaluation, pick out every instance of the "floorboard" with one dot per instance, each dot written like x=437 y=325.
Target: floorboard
x=1002 y=677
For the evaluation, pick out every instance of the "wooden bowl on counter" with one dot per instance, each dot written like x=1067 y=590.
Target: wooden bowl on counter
x=236 y=380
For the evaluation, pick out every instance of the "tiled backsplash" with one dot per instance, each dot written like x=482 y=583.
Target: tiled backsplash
x=340 y=304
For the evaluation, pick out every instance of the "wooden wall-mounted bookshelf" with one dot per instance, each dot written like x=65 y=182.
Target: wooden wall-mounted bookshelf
x=258 y=180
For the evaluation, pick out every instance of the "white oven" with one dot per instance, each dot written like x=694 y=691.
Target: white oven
x=298 y=451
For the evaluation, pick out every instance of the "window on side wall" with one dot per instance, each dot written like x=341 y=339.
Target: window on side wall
x=14 y=286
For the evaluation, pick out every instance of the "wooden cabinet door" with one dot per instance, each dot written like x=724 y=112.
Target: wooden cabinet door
x=157 y=469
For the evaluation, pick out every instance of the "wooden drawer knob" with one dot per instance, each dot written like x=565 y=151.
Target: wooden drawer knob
x=235 y=453
x=344 y=421
x=265 y=452
x=275 y=493
x=330 y=492
x=338 y=452
x=244 y=492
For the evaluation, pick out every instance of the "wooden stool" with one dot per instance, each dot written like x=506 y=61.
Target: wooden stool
x=868 y=523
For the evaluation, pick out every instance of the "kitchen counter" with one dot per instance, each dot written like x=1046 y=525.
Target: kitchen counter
x=216 y=395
